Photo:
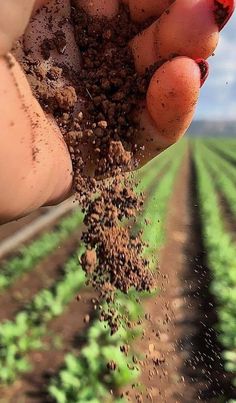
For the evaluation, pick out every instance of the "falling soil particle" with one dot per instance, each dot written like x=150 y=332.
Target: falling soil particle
x=125 y=349
x=111 y=366
x=86 y=319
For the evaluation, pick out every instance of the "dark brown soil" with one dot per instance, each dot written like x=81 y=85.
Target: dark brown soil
x=183 y=359
x=43 y=275
x=68 y=329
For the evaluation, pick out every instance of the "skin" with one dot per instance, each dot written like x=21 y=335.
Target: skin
x=29 y=180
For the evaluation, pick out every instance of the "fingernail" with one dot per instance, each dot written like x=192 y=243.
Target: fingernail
x=223 y=9
x=204 y=69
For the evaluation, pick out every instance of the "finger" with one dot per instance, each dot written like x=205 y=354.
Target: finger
x=187 y=29
x=35 y=166
x=14 y=17
x=106 y=8
x=141 y=10
x=47 y=24
x=171 y=99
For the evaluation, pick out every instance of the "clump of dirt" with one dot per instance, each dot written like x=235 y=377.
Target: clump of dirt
x=111 y=366
x=117 y=262
x=95 y=111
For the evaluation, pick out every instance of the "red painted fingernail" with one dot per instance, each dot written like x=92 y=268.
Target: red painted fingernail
x=223 y=9
x=204 y=69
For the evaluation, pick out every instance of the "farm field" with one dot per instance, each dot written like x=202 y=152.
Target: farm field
x=53 y=347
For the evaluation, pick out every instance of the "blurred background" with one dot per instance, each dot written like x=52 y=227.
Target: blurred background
x=216 y=111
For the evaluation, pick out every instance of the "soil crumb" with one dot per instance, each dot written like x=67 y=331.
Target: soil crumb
x=95 y=111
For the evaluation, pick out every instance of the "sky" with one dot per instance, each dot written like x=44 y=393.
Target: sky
x=218 y=95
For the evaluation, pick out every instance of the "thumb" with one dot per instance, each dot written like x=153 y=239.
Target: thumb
x=14 y=18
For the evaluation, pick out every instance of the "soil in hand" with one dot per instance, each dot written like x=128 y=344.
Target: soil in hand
x=95 y=111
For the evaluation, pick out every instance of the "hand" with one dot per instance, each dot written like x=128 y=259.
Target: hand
x=35 y=166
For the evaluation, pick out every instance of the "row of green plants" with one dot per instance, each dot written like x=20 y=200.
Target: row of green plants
x=225 y=147
x=221 y=142
x=226 y=165
x=25 y=332
x=149 y=179
x=85 y=377
x=157 y=209
x=29 y=256
x=165 y=157
x=221 y=255
x=223 y=181
x=148 y=176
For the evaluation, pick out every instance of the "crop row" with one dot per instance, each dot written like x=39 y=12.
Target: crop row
x=225 y=164
x=221 y=255
x=156 y=211
x=222 y=180
x=85 y=378
x=29 y=256
x=24 y=333
x=226 y=149
x=147 y=178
